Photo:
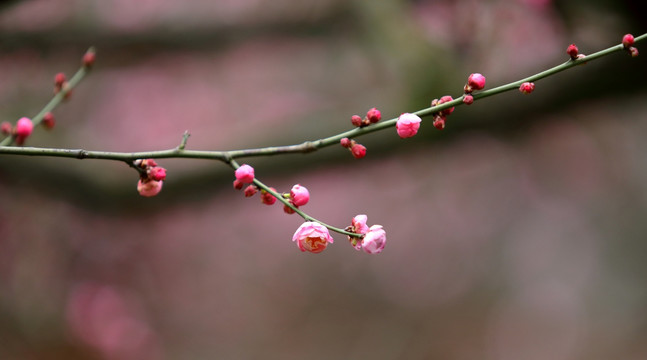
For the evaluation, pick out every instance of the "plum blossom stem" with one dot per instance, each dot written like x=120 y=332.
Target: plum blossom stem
x=305 y=216
x=305 y=147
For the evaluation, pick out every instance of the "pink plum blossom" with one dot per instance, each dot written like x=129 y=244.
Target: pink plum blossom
x=358 y=151
x=374 y=240
x=359 y=224
x=373 y=115
x=312 y=236
x=476 y=81
x=24 y=127
x=408 y=125
x=149 y=188
x=299 y=195
x=267 y=198
x=245 y=174
x=157 y=173
x=627 y=40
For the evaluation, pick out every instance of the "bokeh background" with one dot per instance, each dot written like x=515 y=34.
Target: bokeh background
x=518 y=232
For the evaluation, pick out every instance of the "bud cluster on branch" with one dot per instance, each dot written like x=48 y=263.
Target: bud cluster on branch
x=313 y=235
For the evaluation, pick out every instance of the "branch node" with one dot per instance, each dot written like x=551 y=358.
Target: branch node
x=185 y=137
x=82 y=154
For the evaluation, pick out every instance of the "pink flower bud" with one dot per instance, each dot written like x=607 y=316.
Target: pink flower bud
x=250 y=190
x=149 y=188
x=24 y=127
x=345 y=142
x=359 y=224
x=299 y=195
x=157 y=173
x=88 y=58
x=408 y=125
x=288 y=210
x=48 y=120
x=443 y=100
x=356 y=120
x=6 y=128
x=439 y=122
x=633 y=51
x=312 y=236
x=527 y=87
x=358 y=151
x=627 y=40
x=267 y=198
x=476 y=81
x=468 y=99
x=572 y=51
x=59 y=79
x=238 y=185
x=374 y=240
x=373 y=115
x=245 y=174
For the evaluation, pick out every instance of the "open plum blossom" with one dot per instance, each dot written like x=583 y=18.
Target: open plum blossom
x=408 y=125
x=312 y=236
x=374 y=240
x=374 y=237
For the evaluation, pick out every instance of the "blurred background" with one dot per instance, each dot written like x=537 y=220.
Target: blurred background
x=518 y=232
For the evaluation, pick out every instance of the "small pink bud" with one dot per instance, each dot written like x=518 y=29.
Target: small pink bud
x=408 y=125
x=443 y=100
x=312 y=237
x=358 y=151
x=59 y=79
x=299 y=195
x=476 y=81
x=572 y=51
x=345 y=142
x=24 y=127
x=288 y=210
x=468 y=99
x=633 y=51
x=374 y=240
x=149 y=188
x=439 y=122
x=48 y=120
x=627 y=40
x=267 y=198
x=527 y=87
x=238 y=185
x=373 y=115
x=157 y=173
x=88 y=58
x=356 y=120
x=245 y=174
x=250 y=190
x=6 y=128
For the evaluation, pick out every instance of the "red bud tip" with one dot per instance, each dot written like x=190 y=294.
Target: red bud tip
x=527 y=87
x=572 y=51
x=358 y=151
x=627 y=40
x=373 y=115
x=48 y=120
x=89 y=58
